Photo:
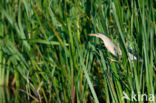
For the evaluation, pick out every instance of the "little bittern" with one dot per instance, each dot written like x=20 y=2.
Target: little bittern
x=111 y=47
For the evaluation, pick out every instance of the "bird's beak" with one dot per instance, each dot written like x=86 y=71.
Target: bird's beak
x=93 y=34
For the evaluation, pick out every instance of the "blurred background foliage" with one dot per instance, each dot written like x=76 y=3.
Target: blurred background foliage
x=47 y=56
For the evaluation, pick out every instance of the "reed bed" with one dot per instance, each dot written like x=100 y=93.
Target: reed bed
x=46 y=53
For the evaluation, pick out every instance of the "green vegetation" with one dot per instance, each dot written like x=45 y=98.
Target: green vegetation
x=46 y=53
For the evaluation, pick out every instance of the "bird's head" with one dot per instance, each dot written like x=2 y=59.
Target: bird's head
x=97 y=34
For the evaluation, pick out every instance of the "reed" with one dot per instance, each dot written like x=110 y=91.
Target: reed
x=46 y=53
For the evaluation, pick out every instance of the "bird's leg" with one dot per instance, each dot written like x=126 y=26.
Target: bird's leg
x=113 y=60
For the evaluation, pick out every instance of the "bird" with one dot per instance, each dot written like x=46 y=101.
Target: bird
x=112 y=48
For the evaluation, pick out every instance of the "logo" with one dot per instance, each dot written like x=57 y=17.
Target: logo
x=138 y=97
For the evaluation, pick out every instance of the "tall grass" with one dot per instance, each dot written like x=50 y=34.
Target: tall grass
x=46 y=53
